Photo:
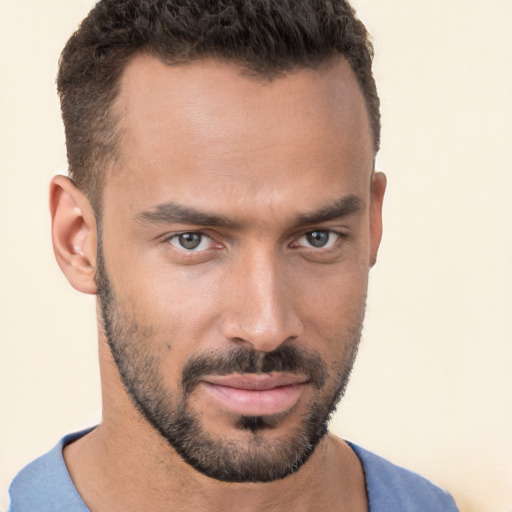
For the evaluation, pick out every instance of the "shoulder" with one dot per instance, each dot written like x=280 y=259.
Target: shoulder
x=45 y=484
x=391 y=488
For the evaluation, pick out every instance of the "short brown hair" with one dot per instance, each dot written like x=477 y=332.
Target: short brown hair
x=267 y=37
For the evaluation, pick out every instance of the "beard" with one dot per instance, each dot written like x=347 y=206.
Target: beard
x=259 y=456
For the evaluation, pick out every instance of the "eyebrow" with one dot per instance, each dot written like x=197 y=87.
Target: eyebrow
x=347 y=205
x=171 y=212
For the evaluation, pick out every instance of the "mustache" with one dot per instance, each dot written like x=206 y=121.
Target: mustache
x=284 y=359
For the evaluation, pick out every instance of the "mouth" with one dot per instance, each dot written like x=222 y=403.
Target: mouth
x=255 y=394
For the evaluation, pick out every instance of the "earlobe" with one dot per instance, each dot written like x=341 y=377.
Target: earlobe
x=377 y=190
x=74 y=234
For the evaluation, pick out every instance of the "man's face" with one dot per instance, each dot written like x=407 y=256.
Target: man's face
x=237 y=235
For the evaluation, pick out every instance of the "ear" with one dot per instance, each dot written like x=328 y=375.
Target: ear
x=73 y=233
x=377 y=190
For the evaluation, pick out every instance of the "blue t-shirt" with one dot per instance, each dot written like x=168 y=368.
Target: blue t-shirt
x=46 y=486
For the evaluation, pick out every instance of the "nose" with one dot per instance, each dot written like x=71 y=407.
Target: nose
x=260 y=308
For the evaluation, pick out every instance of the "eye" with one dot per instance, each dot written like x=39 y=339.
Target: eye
x=319 y=239
x=191 y=242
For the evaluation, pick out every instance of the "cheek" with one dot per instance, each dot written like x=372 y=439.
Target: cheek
x=334 y=291
x=332 y=309
x=178 y=305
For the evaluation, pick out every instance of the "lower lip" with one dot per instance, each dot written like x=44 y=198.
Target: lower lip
x=251 y=402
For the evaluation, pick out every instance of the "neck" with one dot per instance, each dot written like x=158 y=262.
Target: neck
x=114 y=471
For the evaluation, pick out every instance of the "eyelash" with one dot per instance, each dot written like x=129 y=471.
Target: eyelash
x=331 y=233
x=339 y=236
x=203 y=237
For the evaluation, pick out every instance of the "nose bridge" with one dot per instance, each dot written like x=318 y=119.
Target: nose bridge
x=261 y=307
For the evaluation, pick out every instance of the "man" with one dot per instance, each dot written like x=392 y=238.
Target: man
x=224 y=207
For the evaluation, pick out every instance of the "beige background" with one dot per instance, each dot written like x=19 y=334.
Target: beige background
x=432 y=388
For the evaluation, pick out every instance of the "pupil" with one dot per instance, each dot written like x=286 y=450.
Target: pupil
x=318 y=238
x=190 y=240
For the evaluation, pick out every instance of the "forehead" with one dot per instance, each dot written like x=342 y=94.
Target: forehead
x=208 y=126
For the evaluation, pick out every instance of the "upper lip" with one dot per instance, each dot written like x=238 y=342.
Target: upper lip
x=256 y=382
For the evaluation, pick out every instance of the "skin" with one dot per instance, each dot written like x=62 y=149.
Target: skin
x=262 y=154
